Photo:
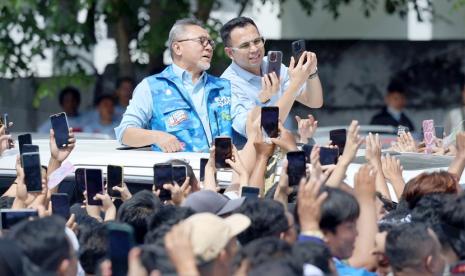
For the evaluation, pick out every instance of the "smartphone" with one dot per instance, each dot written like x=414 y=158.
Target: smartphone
x=275 y=58
x=114 y=178
x=94 y=185
x=120 y=240
x=223 y=151
x=9 y=217
x=60 y=205
x=60 y=128
x=80 y=179
x=269 y=120
x=308 y=150
x=439 y=131
x=328 y=156
x=179 y=174
x=298 y=48
x=134 y=188
x=203 y=163
x=296 y=167
x=250 y=192
x=32 y=171
x=338 y=138
x=6 y=123
x=163 y=174
x=24 y=139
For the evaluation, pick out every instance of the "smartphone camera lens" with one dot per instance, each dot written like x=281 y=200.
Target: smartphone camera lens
x=273 y=56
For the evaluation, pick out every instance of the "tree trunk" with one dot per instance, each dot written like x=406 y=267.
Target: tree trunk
x=204 y=7
x=122 y=44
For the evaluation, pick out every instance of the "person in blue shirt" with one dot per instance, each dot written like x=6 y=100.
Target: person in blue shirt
x=103 y=119
x=182 y=108
x=252 y=88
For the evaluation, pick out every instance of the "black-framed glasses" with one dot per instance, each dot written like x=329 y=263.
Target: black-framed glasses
x=257 y=42
x=203 y=40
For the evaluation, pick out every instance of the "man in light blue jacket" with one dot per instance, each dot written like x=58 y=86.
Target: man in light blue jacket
x=183 y=108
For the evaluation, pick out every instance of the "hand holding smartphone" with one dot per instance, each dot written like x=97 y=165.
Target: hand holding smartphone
x=298 y=48
x=94 y=185
x=32 y=171
x=163 y=174
x=22 y=140
x=269 y=120
x=338 y=138
x=179 y=174
x=61 y=129
x=296 y=167
x=223 y=151
x=60 y=205
x=114 y=178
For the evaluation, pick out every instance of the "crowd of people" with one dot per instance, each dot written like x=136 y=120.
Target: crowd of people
x=320 y=226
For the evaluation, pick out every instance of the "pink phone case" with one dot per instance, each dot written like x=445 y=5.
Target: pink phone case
x=428 y=135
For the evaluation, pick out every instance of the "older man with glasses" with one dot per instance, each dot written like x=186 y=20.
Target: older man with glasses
x=183 y=108
x=252 y=88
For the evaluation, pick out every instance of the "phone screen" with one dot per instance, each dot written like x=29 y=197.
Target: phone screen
x=6 y=122
x=60 y=205
x=120 y=240
x=203 y=163
x=439 y=131
x=269 y=120
x=296 y=167
x=60 y=128
x=134 y=188
x=32 y=171
x=179 y=174
x=275 y=59
x=328 y=156
x=338 y=138
x=250 y=192
x=94 y=185
x=308 y=150
x=9 y=217
x=28 y=148
x=114 y=178
x=24 y=139
x=298 y=48
x=80 y=179
x=163 y=174
x=223 y=151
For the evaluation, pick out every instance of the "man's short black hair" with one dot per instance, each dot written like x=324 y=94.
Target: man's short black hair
x=169 y=215
x=104 y=97
x=93 y=247
x=313 y=253
x=268 y=218
x=72 y=91
x=120 y=80
x=136 y=211
x=396 y=86
x=238 y=22
x=154 y=257
x=453 y=224
x=338 y=207
x=43 y=241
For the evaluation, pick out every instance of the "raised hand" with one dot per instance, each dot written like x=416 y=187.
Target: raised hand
x=61 y=154
x=306 y=128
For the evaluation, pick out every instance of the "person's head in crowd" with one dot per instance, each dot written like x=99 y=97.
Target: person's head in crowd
x=154 y=257
x=379 y=251
x=429 y=183
x=10 y=258
x=290 y=235
x=162 y=221
x=268 y=220
x=193 y=182
x=260 y=251
x=105 y=108
x=396 y=96
x=69 y=100
x=136 y=211
x=413 y=249
x=338 y=222
x=453 y=224
x=276 y=268
x=214 y=241
x=124 y=89
x=315 y=254
x=45 y=244
x=190 y=45
x=243 y=43
x=212 y=202
x=93 y=247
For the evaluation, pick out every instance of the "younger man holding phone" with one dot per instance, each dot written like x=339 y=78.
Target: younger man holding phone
x=252 y=88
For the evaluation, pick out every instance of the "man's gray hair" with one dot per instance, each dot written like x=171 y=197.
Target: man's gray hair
x=179 y=28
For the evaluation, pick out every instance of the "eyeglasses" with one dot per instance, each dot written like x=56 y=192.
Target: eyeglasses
x=257 y=42
x=203 y=40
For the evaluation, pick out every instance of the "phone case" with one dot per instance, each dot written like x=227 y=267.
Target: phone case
x=428 y=135
x=275 y=59
x=298 y=48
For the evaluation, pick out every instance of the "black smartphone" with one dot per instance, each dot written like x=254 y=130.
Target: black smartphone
x=9 y=217
x=223 y=151
x=308 y=150
x=439 y=131
x=269 y=120
x=298 y=48
x=22 y=140
x=94 y=185
x=163 y=174
x=203 y=163
x=250 y=192
x=120 y=240
x=32 y=171
x=28 y=148
x=114 y=178
x=60 y=205
x=6 y=123
x=179 y=174
x=60 y=128
x=328 y=156
x=134 y=188
x=275 y=58
x=80 y=179
x=338 y=138
x=296 y=167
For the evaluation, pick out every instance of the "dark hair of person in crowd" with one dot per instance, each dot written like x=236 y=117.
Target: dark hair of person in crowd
x=92 y=247
x=315 y=254
x=453 y=224
x=276 y=268
x=154 y=257
x=396 y=86
x=238 y=22
x=11 y=263
x=268 y=219
x=291 y=198
x=429 y=183
x=190 y=172
x=338 y=207
x=104 y=97
x=169 y=215
x=74 y=92
x=136 y=211
x=157 y=235
x=44 y=242
x=122 y=80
